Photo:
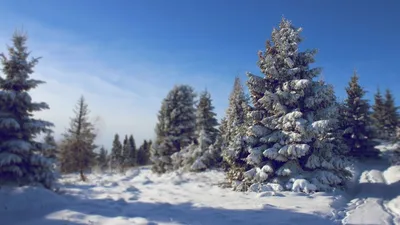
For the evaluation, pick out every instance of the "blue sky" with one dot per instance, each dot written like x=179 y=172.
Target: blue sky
x=131 y=53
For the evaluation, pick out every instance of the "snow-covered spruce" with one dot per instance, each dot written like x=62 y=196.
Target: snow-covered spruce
x=356 y=122
x=294 y=118
x=392 y=117
x=385 y=115
x=22 y=159
x=206 y=118
x=175 y=128
x=203 y=153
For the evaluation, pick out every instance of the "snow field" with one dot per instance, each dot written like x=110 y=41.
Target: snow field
x=141 y=197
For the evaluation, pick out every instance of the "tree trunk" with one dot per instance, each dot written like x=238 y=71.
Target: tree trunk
x=83 y=178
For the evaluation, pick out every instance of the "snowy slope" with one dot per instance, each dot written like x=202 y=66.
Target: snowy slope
x=376 y=197
x=140 y=197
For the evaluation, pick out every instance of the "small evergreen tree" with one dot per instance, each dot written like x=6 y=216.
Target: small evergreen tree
x=206 y=120
x=102 y=159
x=21 y=157
x=378 y=114
x=147 y=153
x=77 y=151
x=132 y=156
x=356 y=121
x=140 y=153
x=175 y=128
x=51 y=149
x=125 y=154
x=116 y=154
x=391 y=116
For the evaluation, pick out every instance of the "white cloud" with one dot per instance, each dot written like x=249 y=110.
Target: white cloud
x=126 y=98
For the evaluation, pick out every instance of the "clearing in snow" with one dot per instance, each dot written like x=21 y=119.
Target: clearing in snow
x=142 y=197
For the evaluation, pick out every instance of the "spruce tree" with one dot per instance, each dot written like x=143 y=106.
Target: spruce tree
x=102 y=159
x=236 y=124
x=21 y=156
x=147 y=152
x=294 y=118
x=378 y=114
x=206 y=120
x=356 y=121
x=125 y=161
x=223 y=131
x=391 y=116
x=141 y=153
x=175 y=128
x=197 y=157
x=223 y=142
x=116 y=154
x=77 y=151
x=132 y=152
x=51 y=151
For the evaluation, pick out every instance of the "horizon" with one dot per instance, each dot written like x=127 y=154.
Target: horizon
x=126 y=63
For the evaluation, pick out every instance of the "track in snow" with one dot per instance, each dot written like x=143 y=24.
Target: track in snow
x=370 y=202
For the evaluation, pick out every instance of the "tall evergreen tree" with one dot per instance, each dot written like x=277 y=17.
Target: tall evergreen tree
x=236 y=124
x=356 y=121
x=175 y=128
x=116 y=153
x=77 y=151
x=391 y=116
x=293 y=132
x=21 y=157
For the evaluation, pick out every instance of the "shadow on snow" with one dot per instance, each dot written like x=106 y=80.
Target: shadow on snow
x=154 y=213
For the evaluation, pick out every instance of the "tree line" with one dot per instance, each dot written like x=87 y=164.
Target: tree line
x=290 y=127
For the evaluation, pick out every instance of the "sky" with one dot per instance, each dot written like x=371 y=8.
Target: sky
x=124 y=56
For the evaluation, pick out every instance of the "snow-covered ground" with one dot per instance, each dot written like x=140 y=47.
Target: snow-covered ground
x=375 y=199
x=141 y=197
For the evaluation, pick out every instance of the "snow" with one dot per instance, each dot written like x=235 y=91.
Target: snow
x=302 y=185
x=376 y=197
x=142 y=197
